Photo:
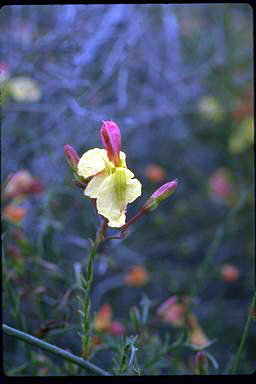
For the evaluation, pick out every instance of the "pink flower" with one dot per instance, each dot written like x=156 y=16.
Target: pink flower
x=111 y=139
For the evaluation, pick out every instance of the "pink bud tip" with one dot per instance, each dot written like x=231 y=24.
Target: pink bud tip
x=111 y=139
x=165 y=190
x=159 y=195
x=71 y=156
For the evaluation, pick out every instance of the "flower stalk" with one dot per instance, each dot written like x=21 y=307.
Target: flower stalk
x=87 y=285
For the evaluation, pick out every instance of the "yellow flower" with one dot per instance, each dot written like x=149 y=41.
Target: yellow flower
x=112 y=186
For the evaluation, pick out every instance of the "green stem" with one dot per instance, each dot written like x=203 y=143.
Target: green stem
x=245 y=334
x=52 y=348
x=87 y=329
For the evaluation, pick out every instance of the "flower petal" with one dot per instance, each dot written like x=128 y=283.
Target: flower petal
x=117 y=223
x=107 y=204
x=122 y=158
x=133 y=190
x=92 y=162
x=94 y=187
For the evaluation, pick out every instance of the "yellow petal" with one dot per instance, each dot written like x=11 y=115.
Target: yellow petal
x=94 y=187
x=92 y=162
x=117 y=223
x=133 y=190
x=110 y=203
x=107 y=202
x=113 y=191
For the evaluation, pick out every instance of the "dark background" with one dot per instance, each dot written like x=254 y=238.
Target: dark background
x=174 y=78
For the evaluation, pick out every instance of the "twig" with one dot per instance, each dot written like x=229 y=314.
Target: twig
x=52 y=348
x=245 y=334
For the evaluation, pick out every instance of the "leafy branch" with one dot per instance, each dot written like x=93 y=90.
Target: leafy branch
x=52 y=348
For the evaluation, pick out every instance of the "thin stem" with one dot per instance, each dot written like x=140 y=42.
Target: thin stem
x=87 y=329
x=245 y=334
x=131 y=221
x=52 y=348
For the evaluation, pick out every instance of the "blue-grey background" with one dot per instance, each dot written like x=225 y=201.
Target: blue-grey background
x=146 y=67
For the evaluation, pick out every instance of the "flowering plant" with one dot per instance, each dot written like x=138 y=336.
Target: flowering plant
x=111 y=186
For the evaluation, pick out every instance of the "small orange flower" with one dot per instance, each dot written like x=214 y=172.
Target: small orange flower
x=155 y=173
x=137 y=275
x=14 y=214
x=196 y=334
x=103 y=318
x=229 y=273
x=103 y=323
x=172 y=311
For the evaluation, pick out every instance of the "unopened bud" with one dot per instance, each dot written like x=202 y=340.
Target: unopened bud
x=111 y=139
x=71 y=156
x=159 y=195
x=201 y=363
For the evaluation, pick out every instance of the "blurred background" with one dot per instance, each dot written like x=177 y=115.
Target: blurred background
x=178 y=80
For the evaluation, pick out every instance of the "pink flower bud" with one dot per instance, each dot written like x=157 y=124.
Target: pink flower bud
x=71 y=156
x=111 y=139
x=159 y=195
